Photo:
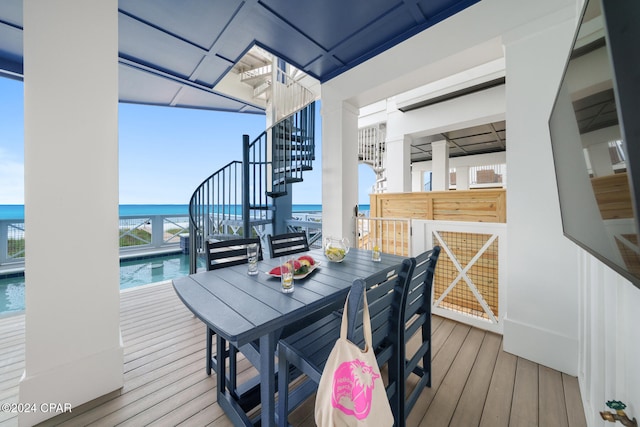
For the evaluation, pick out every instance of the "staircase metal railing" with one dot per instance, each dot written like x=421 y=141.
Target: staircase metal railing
x=214 y=207
x=371 y=151
x=293 y=149
x=240 y=195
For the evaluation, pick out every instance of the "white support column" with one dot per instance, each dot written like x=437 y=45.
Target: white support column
x=600 y=159
x=462 y=177
x=399 y=165
x=73 y=348
x=417 y=180
x=339 y=166
x=536 y=326
x=440 y=162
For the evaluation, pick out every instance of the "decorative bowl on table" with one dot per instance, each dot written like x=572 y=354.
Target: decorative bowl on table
x=336 y=249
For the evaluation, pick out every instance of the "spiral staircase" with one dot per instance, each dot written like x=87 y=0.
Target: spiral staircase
x=240 y=199
x=372 y=152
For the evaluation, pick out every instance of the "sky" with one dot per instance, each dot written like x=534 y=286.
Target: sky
x=164 y=152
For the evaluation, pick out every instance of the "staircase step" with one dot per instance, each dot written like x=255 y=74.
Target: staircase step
x=286 y=180
x=287 y=170
x=275 y=194
x=290 y=159
x=260 y=208
x=298 y=143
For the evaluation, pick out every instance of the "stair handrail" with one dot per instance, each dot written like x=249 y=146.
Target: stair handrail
x=202 y=215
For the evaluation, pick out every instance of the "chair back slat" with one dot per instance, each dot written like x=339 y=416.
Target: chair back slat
x=382 y=289
x=415 y=316
x=419 y=292
x=309 y=348
x=226 y=253
x=287 y=244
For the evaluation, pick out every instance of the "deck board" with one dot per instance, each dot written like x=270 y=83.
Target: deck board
x=575 y=411
x=497 y=406
x=474 y=382
x=551 y=399
x=524 y=408
x=446 y=398
x=474 y=394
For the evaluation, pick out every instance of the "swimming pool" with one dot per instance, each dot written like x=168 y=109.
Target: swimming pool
x=133 y=273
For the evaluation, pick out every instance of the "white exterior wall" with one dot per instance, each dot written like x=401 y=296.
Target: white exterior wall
x=339 y=166
x=398 y=164
x=565 y=309
x=609 y=349
x=542 y=308
x=73 y=351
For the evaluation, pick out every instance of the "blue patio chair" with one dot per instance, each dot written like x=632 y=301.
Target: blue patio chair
x=223 y=254
x=415 y=317
x=308 y=349
x=287 y=244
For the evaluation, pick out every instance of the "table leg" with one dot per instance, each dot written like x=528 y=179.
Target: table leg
x=221 y=363
x=267 y=379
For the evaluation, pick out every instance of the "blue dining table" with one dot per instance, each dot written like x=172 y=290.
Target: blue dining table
x=251 y=313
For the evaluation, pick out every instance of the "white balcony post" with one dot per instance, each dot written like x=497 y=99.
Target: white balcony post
x=417 y=180
x=440 y=163
x=73 y=348
x=462 y=177
x=399 y=165
x=600 y=159
x=339 y=166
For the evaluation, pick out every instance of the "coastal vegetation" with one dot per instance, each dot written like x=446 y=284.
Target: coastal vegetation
x=15 y=247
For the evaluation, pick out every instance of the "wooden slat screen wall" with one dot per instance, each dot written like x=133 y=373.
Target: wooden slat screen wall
x=473 y=205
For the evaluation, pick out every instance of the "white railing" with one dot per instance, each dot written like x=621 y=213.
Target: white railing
x=487 y=175
x=256 y=73
x=371 y=151
x=11 y=241
x=469 y=284
x=152 y=231
x=394 y=234
x=288 y=96
x=136 y=233
x=310 y=224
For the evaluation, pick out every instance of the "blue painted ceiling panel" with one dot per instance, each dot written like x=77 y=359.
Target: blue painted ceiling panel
x=193 y=98
x=281 y=39
x=210 y=70
x=11 y=43
x=431 y=8
x=169 y=45
x=11 y=12
x=135 y=84
x=330 y=22
x=376 y=33
x=200 y=22
x=160 y=50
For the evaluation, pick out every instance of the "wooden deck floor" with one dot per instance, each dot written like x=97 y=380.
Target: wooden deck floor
x=475 y=383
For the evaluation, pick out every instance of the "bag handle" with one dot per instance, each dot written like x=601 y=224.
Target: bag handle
x=366 y=321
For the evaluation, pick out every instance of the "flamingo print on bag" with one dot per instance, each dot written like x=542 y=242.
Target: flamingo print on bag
x=353 y=384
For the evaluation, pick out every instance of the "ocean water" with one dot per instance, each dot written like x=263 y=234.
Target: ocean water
x=17 y=211
x=132 y=273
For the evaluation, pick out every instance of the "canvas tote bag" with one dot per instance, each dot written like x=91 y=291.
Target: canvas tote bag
x=351 y=391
